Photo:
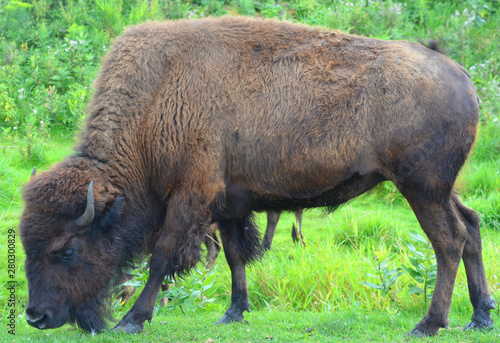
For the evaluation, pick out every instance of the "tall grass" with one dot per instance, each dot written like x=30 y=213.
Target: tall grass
x=328 y=274
x=9 y=183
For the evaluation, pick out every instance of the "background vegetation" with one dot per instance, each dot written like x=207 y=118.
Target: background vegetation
x=366 y=273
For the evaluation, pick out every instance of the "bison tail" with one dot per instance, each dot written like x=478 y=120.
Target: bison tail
x=295 y=235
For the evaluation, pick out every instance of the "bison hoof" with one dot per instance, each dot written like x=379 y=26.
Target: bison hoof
x=422 y=330
x=235 y=312
x=479 y=325
x=481 y=319
x=416 y=333
x=231 y=316
x=128 y=327
x=226 y=319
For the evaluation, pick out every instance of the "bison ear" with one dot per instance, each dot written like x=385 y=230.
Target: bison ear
x=113 y=215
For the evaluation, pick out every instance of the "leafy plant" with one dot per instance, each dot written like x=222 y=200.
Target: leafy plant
x=422 y=267
x=384 y=276
x=140 y=274
x=192 y=293
x=8 y=179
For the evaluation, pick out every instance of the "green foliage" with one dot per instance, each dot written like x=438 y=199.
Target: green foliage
x=140 y=273
x=193 y=292
x=385 y=276
x=244 y=7
x=422 y=267
x=109 y=15
x=33 y=147
x=488 y=208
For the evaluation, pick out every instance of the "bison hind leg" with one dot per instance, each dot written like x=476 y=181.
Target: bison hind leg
x=272 y=222
x=447 y=234
x=476 y=277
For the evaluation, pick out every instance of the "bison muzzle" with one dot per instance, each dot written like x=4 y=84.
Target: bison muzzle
x=196 y=121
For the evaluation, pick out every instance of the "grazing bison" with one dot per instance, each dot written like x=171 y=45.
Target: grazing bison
x=195 y=122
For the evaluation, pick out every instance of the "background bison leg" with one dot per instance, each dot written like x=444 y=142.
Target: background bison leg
x=476 y=277
x=240 y=240
x=213 y=247
x=126 y=292
x=272 y=222
x=447 y=234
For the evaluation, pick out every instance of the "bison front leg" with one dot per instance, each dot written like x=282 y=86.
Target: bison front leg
x=176 y=251
x=142 y=310
x=240 y=240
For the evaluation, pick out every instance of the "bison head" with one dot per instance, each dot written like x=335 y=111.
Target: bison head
x=70 y=259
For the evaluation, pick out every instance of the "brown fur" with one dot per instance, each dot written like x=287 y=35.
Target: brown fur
x=196 y=121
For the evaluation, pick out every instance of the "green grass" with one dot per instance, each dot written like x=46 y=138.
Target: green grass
x=49 y=55
x=348 y=325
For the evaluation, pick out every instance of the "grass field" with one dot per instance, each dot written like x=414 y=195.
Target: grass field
x=351 y=281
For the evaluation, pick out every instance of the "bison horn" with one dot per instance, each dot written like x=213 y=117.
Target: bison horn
x=33 y=174
x=88 y=216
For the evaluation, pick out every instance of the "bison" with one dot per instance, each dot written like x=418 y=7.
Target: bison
x=196 y=121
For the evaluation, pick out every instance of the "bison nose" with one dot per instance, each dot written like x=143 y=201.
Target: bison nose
x=36 y=318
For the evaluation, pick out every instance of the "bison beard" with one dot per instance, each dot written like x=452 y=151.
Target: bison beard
x=91 y=316
x=204 y=121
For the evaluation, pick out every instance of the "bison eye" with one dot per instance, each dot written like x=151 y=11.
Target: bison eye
x=68 y=254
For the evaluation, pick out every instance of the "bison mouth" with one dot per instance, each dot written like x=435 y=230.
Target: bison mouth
x=88 y=316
